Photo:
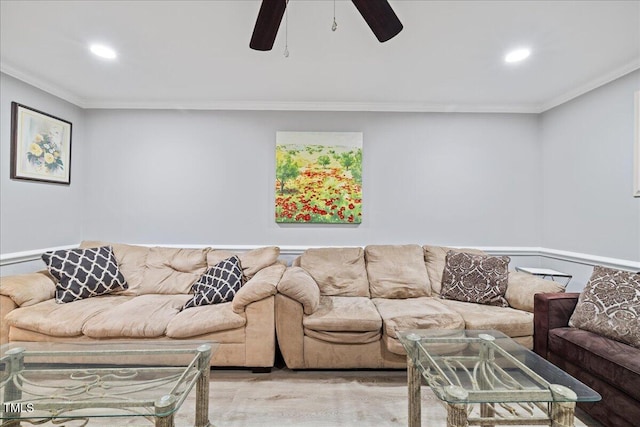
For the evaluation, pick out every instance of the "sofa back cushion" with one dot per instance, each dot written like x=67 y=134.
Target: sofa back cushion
x=132 y=262
x=397 y=271
x=172 y=270
x=251 y=261
x=435 y=259
x=161 y=270
x=337 y=271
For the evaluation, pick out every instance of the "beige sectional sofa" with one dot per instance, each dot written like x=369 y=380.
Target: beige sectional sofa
x=159 y=281
x=342 y=307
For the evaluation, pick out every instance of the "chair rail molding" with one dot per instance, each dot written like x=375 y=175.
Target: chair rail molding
x=292 y=251
x=28 y=256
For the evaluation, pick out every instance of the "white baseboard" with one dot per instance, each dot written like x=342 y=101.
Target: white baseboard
x=292 y=251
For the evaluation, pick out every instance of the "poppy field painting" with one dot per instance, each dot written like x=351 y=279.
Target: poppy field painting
x=319 y=177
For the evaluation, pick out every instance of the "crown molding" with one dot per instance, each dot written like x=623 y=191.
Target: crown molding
x=591 y=85
x=387 y=107
x=42 y=84
x=328 y=106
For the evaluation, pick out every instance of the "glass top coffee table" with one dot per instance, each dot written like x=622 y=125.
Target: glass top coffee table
x=83 y=380
x=486 y=378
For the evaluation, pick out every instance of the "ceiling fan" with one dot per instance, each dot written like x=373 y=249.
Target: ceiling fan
x=377 y=13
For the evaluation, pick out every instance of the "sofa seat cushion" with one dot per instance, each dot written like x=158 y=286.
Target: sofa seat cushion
x=344 y=314
x=204 y=320
x=144 y=316
x=62 y=320
x=509 y=321
x=413 y=313
x=616 y=363
x=344 y=337
x=393 y=345
x=397 y=271
x=416 y=313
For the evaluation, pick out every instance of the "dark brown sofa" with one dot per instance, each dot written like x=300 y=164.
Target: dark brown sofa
x=607 y=366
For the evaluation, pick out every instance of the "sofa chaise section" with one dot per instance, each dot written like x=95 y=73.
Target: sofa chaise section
x=159 y=284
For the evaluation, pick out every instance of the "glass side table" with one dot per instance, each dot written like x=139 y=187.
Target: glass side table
x=548 y=273
x=486 y=378
x=60 y=382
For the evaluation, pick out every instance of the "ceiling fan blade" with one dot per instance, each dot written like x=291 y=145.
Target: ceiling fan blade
x=380 y=17
x=267 y=24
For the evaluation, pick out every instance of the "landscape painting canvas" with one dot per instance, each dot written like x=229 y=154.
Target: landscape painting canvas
x=319 y=177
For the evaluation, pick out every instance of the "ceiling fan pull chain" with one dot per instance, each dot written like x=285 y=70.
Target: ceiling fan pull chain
x=335 y=24
x=286 y=30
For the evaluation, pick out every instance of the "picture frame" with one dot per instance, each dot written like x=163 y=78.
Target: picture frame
x=40 y=146
x=636 y=150
x=318 y=177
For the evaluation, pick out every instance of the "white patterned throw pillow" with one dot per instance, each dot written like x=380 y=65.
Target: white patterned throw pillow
x=84 y=273
x=609 y=305
x=218 y=284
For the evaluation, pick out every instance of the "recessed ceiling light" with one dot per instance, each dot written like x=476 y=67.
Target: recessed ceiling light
x=103 y=51
x=517 y=55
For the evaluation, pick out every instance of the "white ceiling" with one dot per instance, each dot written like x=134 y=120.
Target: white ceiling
x=195 y=54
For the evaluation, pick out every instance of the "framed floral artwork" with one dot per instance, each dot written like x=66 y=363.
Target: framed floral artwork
x=318 y=177
x=40 y=146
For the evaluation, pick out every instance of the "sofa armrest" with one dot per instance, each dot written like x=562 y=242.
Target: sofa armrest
x=522 y=287
x=6 y=305
x=28 y=289
x=289 y=317
x=298 y=285
x=260 y=286
x=550 y=311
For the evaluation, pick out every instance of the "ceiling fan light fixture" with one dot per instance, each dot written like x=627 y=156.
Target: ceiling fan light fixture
x=378 y=15
x=517 y=55
x=103 y=51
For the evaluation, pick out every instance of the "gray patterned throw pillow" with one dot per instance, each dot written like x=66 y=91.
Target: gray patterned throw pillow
x=218 y=284
x=609 y=305
x=475 y=278
x=84 y=273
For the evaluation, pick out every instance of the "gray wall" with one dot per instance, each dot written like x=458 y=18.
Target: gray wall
x=587 y=167
x=559 y=180
x=37 y=215
x=207 y=177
